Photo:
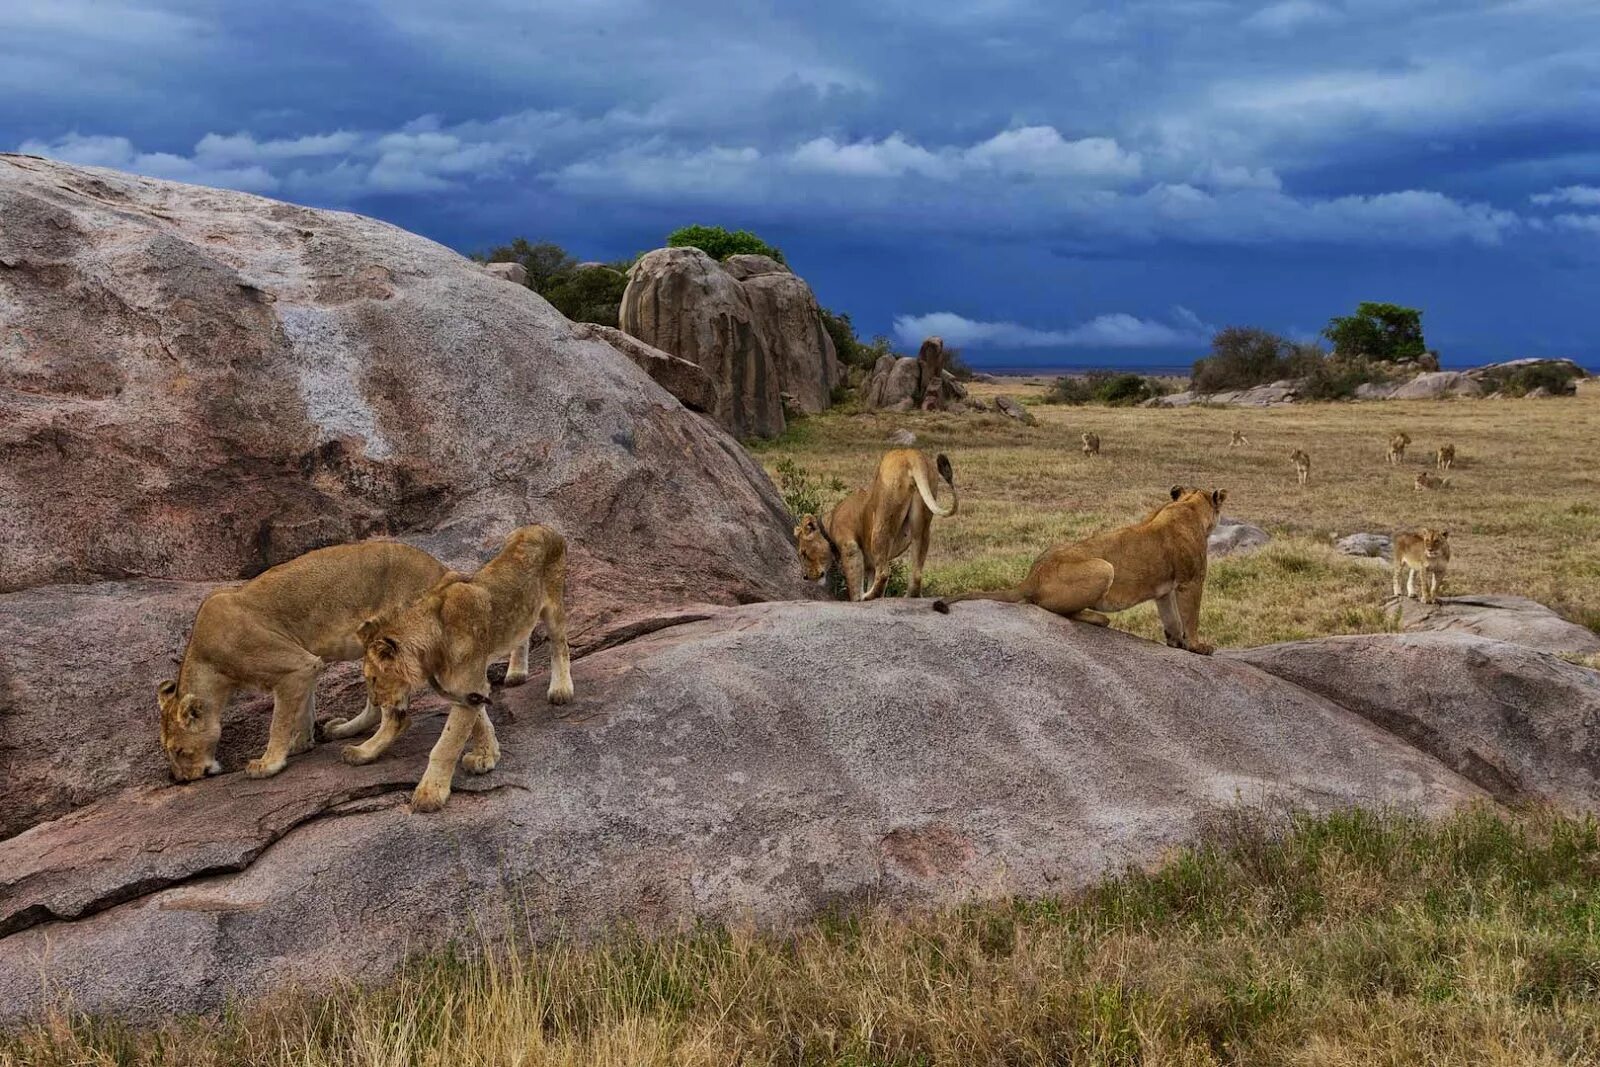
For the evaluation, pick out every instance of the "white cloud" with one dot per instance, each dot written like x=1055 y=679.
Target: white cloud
x=1025 y=152
x=1576 y=195
x=1291 y=15
x=1113 y=330
x=1579 y=223
x=889 y=158
x=119 y=153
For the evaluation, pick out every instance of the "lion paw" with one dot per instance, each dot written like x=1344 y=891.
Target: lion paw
x=262 y=768
x=1202 y=648
x=515 y=678
x=355 y=756
x=334 y=728
x=480 y=762
x=429 y=796
x=560 y=694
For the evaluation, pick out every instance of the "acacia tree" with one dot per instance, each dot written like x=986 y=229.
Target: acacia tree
x=1385 y=332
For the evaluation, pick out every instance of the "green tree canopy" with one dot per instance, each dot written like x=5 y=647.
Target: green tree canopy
x=719 y=243
x=542 y=261
x=1385 y=332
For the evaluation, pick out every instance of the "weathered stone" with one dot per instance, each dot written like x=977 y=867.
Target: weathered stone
x=508 y=272
x=790 y=322
x=1366 y=545
x=930 y=373
x=197 y=384
x=1008 y=405
x=687 y=381
x=748 y=265
x=1519 y=723
x=681 y=301
x=1437 y=385
x=707 y=771
x=1234 y=537
x=1504 y=618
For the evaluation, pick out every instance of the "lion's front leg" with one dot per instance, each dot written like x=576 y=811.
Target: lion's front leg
x=484 y=754
x=338 y=729
x=291 y=705
x=1188 y=600
x=395 y=722
x=434 y=790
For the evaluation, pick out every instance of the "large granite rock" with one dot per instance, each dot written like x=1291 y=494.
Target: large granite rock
x=750 y=322
x=1437 y=385
x=689 y=382
x=706 y=771
x=1504 y=618
x=198 y=384
x=1521 y=724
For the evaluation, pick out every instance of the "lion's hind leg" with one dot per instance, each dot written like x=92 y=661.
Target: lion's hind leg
x=517 y=669
x=554 y=614
x=1074 y=589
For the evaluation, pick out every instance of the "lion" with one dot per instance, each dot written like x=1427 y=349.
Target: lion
x=1302 y=464
x=871 y=528
x=1446 y=457
x=1425 y=551
x=276 y=633
x=1162 y=558
x=1397 y=447
x=445 y=640
x=1091 y=444
x=1238 y=439
x=1427 y=482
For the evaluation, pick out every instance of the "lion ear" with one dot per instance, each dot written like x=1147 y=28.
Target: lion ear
x=368 y=630
x=1177 y=491
x=1445 y=534
x=188 y=709
x=1218 y=496
x=386 y=647
x=166 y=689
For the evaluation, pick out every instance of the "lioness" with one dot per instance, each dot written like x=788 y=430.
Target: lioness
x=1302 y=464
x=1397 y=447
x=871 y=528
x=1162 y=558
x=446 y=638
x=276 y=633
x=1091 y=444
x=1447 y=457
x=1426 y=481
x=1425 y=551
x=1238 y=439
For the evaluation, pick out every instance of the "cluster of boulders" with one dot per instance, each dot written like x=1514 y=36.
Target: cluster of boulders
x=749 y=322
x=1407 y=381
x=913 y=383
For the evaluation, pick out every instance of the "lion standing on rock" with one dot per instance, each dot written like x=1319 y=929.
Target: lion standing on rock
x=871 y=528
x=1162 y=558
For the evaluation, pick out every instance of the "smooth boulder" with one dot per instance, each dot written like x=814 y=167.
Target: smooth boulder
x=1235 y=537
x=708 y=771
x=1504 y=618
x=790 y=320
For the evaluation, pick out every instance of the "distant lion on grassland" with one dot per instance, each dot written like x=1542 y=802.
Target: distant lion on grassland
x=1091 y=444
x=1162 y=558
x=1397 y=447
x=1446 y=457
x=1425 y=552
x=1302 y=464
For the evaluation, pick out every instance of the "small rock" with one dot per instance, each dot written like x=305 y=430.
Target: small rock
x=1232 y=537
x=511 y=272
x=1369 y=545
x=903 y=438
x=1009 y=406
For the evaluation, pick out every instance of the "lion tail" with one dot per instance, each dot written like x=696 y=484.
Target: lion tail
x=920 y=476
x=1004 y=596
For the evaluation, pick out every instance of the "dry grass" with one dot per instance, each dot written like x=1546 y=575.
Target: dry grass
x=1523 y=506
x=1355 y=939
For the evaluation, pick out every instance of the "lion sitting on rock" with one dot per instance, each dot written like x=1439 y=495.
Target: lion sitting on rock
x=446 y=639
x=1162 y=558
x=276 y=633
x=871 y=528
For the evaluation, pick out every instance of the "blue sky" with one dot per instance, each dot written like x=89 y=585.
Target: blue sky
x=1039 y=182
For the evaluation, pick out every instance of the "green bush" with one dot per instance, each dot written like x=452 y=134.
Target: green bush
x=1242 y=357
x=803 y=491
x=1102 y=387
x=590 y=295
x=1069 y=389
x=719 y=243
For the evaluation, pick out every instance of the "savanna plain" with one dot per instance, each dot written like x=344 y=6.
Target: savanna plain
x=1361 y=938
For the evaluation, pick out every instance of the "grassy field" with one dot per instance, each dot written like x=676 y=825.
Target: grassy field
x=1357 y=939
x=1523 y=505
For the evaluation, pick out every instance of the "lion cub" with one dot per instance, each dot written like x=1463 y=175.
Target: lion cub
x=1238 y=439
x=1447 y=457
x=276 y=633
x=1302 y=464
x=1426 y=481
x=1091 y=444
x=1397 y=447
x=446 y=639
x=1426 y=552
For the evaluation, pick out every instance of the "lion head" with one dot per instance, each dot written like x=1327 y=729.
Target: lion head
x=816 y=547
x=189 y=733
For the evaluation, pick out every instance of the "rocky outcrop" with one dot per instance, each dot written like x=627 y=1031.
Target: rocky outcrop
x=709 y=771
x=1235 y=537
x=687 y=381
x=1517 y=722
x=1504 y=618
x=1261 y=396
x=751 y=323
x=515 y=273
x=906 y=383
x=197 y=384
x=1437 y=385
x=1009 y=407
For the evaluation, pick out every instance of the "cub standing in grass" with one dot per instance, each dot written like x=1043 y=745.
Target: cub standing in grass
x=1162 y=558
x=1091 y=444
x=1447 y=457
x=871 y=528
x=1302 y=464
x=446 y=640
x=1426 y=552
x=276 y=633
x=1397 y=447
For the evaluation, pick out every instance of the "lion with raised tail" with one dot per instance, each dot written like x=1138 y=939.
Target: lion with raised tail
x=1162 y=558
x=872 y=527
